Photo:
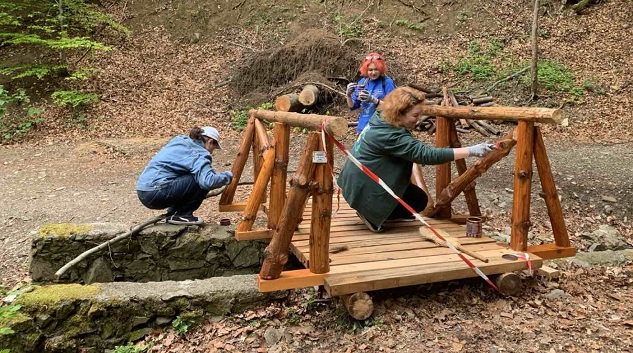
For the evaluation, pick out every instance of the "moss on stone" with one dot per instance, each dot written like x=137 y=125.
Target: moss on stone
x=64 y=229
x=55 y=293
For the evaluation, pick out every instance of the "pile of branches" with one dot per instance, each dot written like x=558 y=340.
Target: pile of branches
x=484 y=127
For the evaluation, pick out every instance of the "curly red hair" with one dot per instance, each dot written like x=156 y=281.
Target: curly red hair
x=377 y=60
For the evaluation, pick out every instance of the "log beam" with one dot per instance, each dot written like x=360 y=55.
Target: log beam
x=450 y=192
x=334 y=125
x=358 y=305
x=539 y=115
x=276 y=253
x=288 y=103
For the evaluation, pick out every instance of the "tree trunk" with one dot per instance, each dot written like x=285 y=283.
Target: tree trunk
x=288 y=103
x=309 y=95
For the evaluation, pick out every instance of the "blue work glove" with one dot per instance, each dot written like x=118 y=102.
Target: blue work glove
x=229 y=175
x=364 y=96
x=350 y=88
x=481 y=149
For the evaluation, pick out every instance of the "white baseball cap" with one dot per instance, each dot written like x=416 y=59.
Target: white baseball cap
x=212 y=133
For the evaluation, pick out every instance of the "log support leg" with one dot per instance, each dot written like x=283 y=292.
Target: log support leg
x=358 y=305
x=522 y=186
x=240 y=162
x=509 y=283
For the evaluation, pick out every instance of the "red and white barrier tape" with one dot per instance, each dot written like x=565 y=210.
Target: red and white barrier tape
x=417 y=216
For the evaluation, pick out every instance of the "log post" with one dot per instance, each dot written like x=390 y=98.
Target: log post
x=450 y=192
x=322 y=212
x=278 y=183
x=240 y=162
x=469 y=191
x=509 y=283
x=554 y=210
x=309 y=95
x=259 y=191
x=442 y=171
x=276 y=253
x=260 y=146
x=358 y=305
x=288 y=103
x=522 y=185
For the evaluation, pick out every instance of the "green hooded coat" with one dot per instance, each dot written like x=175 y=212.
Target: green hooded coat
x=389 y=152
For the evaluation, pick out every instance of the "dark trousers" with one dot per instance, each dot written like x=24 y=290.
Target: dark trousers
x=414 y=197
x=182 y=196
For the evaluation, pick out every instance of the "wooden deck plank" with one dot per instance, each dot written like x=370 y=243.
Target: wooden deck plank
x=383 y=278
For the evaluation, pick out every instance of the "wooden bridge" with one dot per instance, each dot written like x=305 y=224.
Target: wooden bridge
x=337 y=249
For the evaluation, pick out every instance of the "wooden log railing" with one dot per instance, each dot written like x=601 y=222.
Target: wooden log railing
x=285 y=212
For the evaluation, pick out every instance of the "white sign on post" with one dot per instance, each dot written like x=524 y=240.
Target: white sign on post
x=319 y=157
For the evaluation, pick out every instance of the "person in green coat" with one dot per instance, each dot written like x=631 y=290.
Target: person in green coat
x=387 y=148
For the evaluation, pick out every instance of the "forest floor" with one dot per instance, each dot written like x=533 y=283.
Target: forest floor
x=167 y=77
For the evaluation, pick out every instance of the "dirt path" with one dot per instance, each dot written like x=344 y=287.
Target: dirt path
x=95 y=182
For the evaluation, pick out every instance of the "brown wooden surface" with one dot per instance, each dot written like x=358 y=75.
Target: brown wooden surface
x=240 y=162
x=322 y=212
x=254 y=234
x=278 y=182
x=233 y=207
x=540 y=115
x=334 y=125
x=259 y=190
x=551 y=251
x=522 y=186
x=554 y=210
x=276 y=253
x=288 y=103
x=362 y=260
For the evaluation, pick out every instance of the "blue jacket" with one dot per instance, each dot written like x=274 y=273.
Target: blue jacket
x=180 y=156
x=376 y=89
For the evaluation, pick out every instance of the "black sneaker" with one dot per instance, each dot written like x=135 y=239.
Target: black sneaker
x=185 y=220
x=370 y=225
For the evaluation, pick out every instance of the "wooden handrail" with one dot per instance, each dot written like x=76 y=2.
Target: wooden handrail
x=539 y=115
x=334 y=125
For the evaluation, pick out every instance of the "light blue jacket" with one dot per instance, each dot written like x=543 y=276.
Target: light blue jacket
x=378 y=88
x=180 y=156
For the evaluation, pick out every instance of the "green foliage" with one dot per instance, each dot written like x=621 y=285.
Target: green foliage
x=39 y=71
x=408 y=24
x=239 y=118
x=17 y=124
x=593 y=87
x=180 y=326
x=7 y=312
x=351 y=29
x=556 y=77
x=131 y=348
x=73 y=99
x=463 y=16
x=480 y=67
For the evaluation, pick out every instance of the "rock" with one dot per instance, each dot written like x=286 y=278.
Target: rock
x=602 y=257
x=626 y=26
x=99 y=271
x=272 y=336
x=565 y=122
x=556 y=294
x=609 y=199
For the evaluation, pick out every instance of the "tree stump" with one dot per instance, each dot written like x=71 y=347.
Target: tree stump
x=509 y=283
x=359 y=305
x=309 y=95
x=288 y=103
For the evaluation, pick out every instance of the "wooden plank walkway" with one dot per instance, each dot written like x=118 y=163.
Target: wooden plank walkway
x=361 y=260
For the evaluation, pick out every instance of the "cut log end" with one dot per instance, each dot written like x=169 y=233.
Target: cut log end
x=359 y=305
x=288 y=103
x=509 y=283
x=309 y=95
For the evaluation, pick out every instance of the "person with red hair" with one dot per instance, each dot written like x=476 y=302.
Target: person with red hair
x=369 y=91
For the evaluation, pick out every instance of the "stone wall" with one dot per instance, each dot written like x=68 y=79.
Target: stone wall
x=159 y=253
x=72 y=318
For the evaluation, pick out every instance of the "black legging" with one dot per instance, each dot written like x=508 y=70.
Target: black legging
x=414 y=197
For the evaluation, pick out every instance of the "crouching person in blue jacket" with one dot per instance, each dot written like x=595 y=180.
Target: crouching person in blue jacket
x=180 y=176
